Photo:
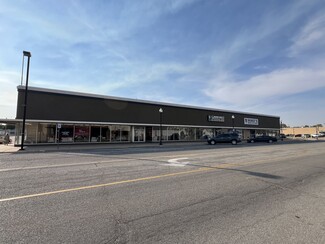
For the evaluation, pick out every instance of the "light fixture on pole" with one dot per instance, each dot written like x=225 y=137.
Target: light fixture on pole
x=233 y=123
x=28 y=55
x=161 y=114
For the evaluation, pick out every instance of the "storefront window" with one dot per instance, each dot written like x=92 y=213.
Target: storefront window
x=203 y=133
x=95 y=134
x=19 y=127
x=115 y=133
x=219 y=131
x=260 y=132
x=173 y=133
x=46 y=133
x=187 y=134
x=106 y=134
x=66 y=134
x=125 y=133
x=239 y=132
x=81 y=133
x=156 y=133
x=31 y=133
x=139 y=133
x=275 y=133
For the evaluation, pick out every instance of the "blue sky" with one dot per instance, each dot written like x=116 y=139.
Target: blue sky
x=253 y=56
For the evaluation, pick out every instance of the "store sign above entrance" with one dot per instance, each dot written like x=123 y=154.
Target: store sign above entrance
x=250 y=121
x=215 y=118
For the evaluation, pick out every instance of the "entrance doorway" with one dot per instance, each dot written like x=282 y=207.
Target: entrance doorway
x=139 y=132
x=149 y=133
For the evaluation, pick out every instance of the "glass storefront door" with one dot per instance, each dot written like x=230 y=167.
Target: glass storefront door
x=139 y=134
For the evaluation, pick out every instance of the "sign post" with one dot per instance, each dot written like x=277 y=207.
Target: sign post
x=58 y=135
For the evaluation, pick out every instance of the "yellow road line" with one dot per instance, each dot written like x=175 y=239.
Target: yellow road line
x=103 y=185
x=207 y=168
x=125 y=159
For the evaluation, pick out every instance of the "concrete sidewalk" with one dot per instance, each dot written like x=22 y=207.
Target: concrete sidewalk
x=116 y=146
x=79 y=147
x=8 y=148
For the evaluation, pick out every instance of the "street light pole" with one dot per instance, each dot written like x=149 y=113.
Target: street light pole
x=233 y=123
x=25 y=54
x=161 y=114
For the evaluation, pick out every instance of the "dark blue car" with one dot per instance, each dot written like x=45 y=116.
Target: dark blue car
x=268 y=139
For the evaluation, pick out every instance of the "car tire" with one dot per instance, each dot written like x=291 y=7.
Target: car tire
x=233 y=142
x=212 y=142
x=252 y=141
x=270 y=141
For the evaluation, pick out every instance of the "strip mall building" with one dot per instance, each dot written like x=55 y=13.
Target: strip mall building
x=55 y=116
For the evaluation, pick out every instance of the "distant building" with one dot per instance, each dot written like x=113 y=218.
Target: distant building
x=302 y=130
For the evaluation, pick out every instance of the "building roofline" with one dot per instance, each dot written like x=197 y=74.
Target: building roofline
x=56 y=91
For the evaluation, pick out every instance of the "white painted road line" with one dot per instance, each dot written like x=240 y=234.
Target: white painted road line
x=175 y=162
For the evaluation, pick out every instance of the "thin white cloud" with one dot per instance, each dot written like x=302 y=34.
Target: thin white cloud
x=261 y=88
x=141 y=73
x=244 y=45
x=101 y=45
x=264 y=92
x=311 y=36
x=8 y=93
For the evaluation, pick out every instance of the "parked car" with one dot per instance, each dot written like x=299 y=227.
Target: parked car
x=232 y=138
x=268 y=139
x=318 y=135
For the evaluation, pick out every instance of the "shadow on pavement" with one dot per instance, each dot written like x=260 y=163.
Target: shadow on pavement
x=252 y=173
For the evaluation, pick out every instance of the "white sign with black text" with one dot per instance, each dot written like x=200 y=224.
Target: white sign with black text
x=250 y=121
x=215 y=118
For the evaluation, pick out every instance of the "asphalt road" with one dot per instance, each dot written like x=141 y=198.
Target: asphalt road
x=266 y=193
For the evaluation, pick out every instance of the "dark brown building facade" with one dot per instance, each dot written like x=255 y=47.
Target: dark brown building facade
x=55 y=116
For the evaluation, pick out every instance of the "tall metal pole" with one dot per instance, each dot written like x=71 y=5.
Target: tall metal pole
x=28 y=54
x=161 y=113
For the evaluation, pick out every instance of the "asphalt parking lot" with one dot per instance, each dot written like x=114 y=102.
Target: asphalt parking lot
x=177 y=193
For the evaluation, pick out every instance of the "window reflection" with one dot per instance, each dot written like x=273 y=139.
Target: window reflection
x=66 y=134
x=81 y=134
x=46 y=133
x=106 y=134
x=173 y=133
x=70 y=133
